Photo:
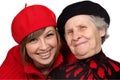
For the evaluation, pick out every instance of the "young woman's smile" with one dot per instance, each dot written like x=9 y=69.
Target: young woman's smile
x=43 y=48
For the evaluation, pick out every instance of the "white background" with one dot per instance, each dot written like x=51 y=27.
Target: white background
x=9 y=8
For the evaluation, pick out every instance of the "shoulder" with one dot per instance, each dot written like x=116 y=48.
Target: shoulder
x=12 y=66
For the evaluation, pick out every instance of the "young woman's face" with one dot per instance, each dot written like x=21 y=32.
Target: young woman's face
x=42 y=49
x=82 y=36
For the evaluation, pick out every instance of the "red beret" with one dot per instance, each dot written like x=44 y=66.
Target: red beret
x=30 y=19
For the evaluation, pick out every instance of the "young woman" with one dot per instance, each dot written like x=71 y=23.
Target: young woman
x=36 y=54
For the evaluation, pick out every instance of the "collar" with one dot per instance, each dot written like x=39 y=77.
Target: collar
x=93 y=61
x=99 y=56
x=30 y=69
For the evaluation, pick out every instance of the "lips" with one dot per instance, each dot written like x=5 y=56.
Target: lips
x=80 y=43
x=44 y=55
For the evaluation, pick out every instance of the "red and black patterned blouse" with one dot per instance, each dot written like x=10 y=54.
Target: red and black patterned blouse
x=93 y=68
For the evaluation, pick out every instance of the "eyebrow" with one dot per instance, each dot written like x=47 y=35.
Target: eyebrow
x=50 y=31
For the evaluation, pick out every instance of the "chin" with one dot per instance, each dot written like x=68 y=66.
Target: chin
x=48 y=62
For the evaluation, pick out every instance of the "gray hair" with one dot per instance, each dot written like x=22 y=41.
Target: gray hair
x=100 y=23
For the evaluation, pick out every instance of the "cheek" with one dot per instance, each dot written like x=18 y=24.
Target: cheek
x=95 y=39
x=30 y=48
x=53 y=42
x=68 y=40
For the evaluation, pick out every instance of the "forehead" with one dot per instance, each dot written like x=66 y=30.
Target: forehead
x=79 y=19
x=42 y=31
x=46 y=29
x=49 y=28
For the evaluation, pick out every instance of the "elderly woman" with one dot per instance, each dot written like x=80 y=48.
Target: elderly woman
x=83 y=26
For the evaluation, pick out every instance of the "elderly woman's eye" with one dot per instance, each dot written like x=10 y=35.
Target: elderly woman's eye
x=83 y=27
x=69 y=31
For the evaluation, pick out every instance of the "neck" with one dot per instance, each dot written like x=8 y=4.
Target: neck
x=43 y=68
x=45 y=71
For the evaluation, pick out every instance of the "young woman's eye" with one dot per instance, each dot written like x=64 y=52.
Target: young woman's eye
x=33 y=39
x=50 y=34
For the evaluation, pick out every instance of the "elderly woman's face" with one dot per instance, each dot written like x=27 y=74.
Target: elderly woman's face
x=82 y=36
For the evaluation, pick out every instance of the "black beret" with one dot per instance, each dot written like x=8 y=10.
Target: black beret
x=79 y=8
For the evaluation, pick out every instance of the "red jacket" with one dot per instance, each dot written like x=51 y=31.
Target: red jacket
x=13 y=68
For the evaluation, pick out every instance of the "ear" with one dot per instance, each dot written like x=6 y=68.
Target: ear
x=102 y=32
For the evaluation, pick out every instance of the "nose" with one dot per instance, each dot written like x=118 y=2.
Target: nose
x=76 y=35
x=42 y=44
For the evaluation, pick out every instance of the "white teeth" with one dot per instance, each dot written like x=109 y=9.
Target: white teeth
x=44 y=55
